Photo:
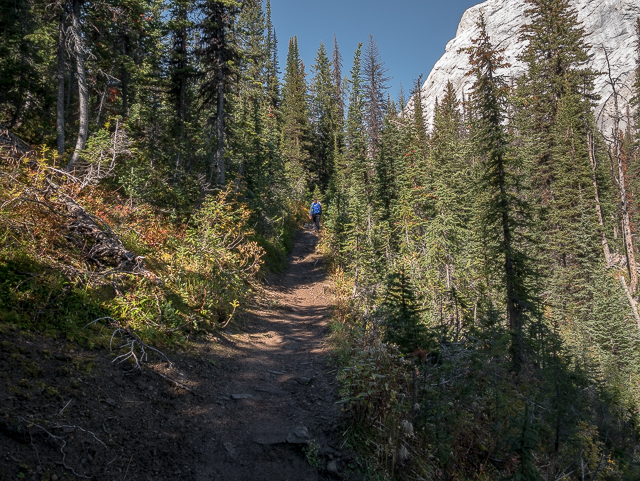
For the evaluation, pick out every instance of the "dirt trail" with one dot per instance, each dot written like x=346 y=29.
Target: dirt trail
x=259 y=391
x=280 y=386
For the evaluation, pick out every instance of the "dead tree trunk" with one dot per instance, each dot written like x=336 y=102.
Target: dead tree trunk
x=83 y=92
x=615 y=152
x=594 y=178
x=124 y=81
x=61 y=75
x=220 y=124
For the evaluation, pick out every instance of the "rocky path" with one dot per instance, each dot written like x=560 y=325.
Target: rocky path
x=279 y=395
x=260 y=403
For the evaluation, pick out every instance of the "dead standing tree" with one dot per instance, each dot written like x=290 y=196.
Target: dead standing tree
x=75 y=37
x=614 y=144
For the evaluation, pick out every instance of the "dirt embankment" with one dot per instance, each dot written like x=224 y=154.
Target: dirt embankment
x=255 y=402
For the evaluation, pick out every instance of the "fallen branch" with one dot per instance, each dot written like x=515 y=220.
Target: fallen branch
x=61 y=440
x=173 y=381
x=131 y=341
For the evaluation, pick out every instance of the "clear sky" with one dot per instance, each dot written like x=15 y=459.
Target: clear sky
x=411 y=34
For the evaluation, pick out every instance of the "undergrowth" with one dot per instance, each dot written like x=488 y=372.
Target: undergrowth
x=457 y=410
x=178 y=276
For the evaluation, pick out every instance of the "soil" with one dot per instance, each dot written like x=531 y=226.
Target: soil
x=256 y=401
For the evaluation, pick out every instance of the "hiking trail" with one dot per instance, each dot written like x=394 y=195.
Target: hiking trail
x=260 y=403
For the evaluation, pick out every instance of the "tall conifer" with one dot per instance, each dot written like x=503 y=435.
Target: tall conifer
x=325 y=112
x=296 y=129
x=375 y=85
x=498 y=203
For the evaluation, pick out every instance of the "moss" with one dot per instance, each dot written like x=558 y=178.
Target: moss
x=83 y=365
x=5 y=326
x=52 y=392
x=32 y=370
x=12 y=348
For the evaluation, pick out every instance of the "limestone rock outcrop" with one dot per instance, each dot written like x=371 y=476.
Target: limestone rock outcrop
x=609 y=24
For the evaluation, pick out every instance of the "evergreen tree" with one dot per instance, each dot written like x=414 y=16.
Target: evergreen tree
x=402 y=316
x=337 y=76
x=296 y=128
x=497 y=200
x=356 y=180
x=450 y=200
x=181 y=75
x=555 y=57
x=355 y=164
x=325 y=112
x=273 y=83
x=386 y=164
x=219 y=55
x=375 y=86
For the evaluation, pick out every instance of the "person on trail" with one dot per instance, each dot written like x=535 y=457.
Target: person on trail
x=314 y=214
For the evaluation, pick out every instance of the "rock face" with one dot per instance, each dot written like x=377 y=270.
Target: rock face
x=608 y=23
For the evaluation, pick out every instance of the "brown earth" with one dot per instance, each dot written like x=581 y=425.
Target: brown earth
x=254 y=402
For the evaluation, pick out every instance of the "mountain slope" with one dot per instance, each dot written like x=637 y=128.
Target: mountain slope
x=610 y=25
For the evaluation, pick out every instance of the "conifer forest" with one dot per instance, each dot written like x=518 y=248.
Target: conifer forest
x=157 y=163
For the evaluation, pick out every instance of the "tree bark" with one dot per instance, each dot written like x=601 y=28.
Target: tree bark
x=615 y=151
x=219 y=163
x=632 y=301
x=220 y=127
x=594 y=178
x=514 y=308
x=61 y=75
x=83 y=92
x=626 y=222
x=124 y=81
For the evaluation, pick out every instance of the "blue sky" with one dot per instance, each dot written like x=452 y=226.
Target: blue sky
x=411 y=34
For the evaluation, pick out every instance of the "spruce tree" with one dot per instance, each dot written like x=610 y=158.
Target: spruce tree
x=555 y=56
x=337 y=76
x=296 y=128
x=375 y=80
x=386 y=164
x=325 y=112
x=447 y=232
x=355 y=177
x=498 y=203
x=219 y=55
x=402 y=315
x=271 y=47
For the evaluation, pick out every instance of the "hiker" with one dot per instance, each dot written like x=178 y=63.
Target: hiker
x=314 y=213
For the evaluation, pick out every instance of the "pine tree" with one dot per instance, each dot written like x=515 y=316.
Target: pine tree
x=325 y=112
x=218 y=54
x=273 y=83
x=337 y=76
x=497 y=201
x=296 y=128
x=356 y=167
x=386 y=164
x=555 y=57
x=402 y=317
x=447 y=232
x=375 y=85
x=355 y=180
x=181 y=75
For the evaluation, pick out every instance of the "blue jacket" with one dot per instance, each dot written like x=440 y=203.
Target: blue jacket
x=316 y=208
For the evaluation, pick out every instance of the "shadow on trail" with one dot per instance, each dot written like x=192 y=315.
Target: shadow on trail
x=272 y=382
